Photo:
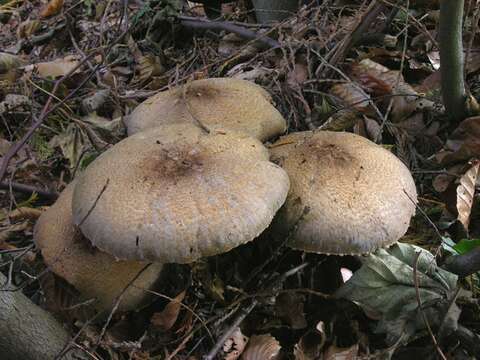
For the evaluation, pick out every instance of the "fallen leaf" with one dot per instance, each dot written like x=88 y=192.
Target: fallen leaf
x=335 y=353
x=310 y=345
x=466 y=192
x=54 y=69
x=353 y=96
x=463 y=144
x=52 y=8
x=262 y=347
x=165 y=320
x=385 y=285
x=28 y=28
x=234 y=345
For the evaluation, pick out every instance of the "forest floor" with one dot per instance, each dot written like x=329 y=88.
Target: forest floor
x=74 y=69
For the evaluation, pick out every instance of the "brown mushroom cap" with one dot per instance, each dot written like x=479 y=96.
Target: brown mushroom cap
x=93 y=273
x=213 y=103
x=347 y=194
x=175 y=194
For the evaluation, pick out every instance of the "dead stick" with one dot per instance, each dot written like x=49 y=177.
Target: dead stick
x=27 y=189
x=198 y=23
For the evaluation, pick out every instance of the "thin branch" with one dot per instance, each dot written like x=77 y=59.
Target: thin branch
x=199 y=23
x=27 y=189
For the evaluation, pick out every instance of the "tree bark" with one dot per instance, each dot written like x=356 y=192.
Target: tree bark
x=28 y=332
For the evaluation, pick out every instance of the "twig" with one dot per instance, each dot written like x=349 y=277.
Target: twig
x=94 y=205
x=27 y=189
x=419 y=301
x=240 y=317
x=244 y=312
x=199 y=23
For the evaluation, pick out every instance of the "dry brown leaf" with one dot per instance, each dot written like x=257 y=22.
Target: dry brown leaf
x=310 y=345
x=52 y=8
x=382 y=82
x=463 y=144
x=336 y=353
x=353 y=96
x=340 y=121
x=28 y=28
x=166 y=319
x=148 y=66
x=466 y=192
x=56 y=68
x=234 y=345
x=289 y=307
x=262 y=347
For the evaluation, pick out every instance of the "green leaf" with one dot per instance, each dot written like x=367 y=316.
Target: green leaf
x=385 y=286
x=465 y=245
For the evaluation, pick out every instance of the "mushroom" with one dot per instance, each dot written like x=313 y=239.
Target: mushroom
x=93 y=273
x=348 y=196
x=175 y=194
x=211 y=103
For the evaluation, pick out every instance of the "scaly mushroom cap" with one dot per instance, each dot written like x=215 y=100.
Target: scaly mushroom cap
x=176 y=193
x=93 y=273
x=212 y=103
x=347 y=194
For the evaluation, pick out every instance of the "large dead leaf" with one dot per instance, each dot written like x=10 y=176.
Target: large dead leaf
x=262 y=347
x=310 y=345
x=165 y=320
x=353 y=97
x=56 y=68
x=463 y=144
x=390 y=85
x=335 y=353
x=52 y=8
x=385 y=286
x=73 y=142
x=465 y=194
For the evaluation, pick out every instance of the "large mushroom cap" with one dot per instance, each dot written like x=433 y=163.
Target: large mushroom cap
x=347 y=194
x=218 y=102
x=175 y=194
x=93 y=273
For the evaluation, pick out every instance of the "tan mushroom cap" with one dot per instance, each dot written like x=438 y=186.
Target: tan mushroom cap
x=218 y=102
x=347 y=194
x=175 y=194
x=93 y=273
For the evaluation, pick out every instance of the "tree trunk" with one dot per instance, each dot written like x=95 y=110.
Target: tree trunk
x=28 y=332
x=274 y=10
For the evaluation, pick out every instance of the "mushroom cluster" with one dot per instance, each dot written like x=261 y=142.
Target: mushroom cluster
x=194 y=180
